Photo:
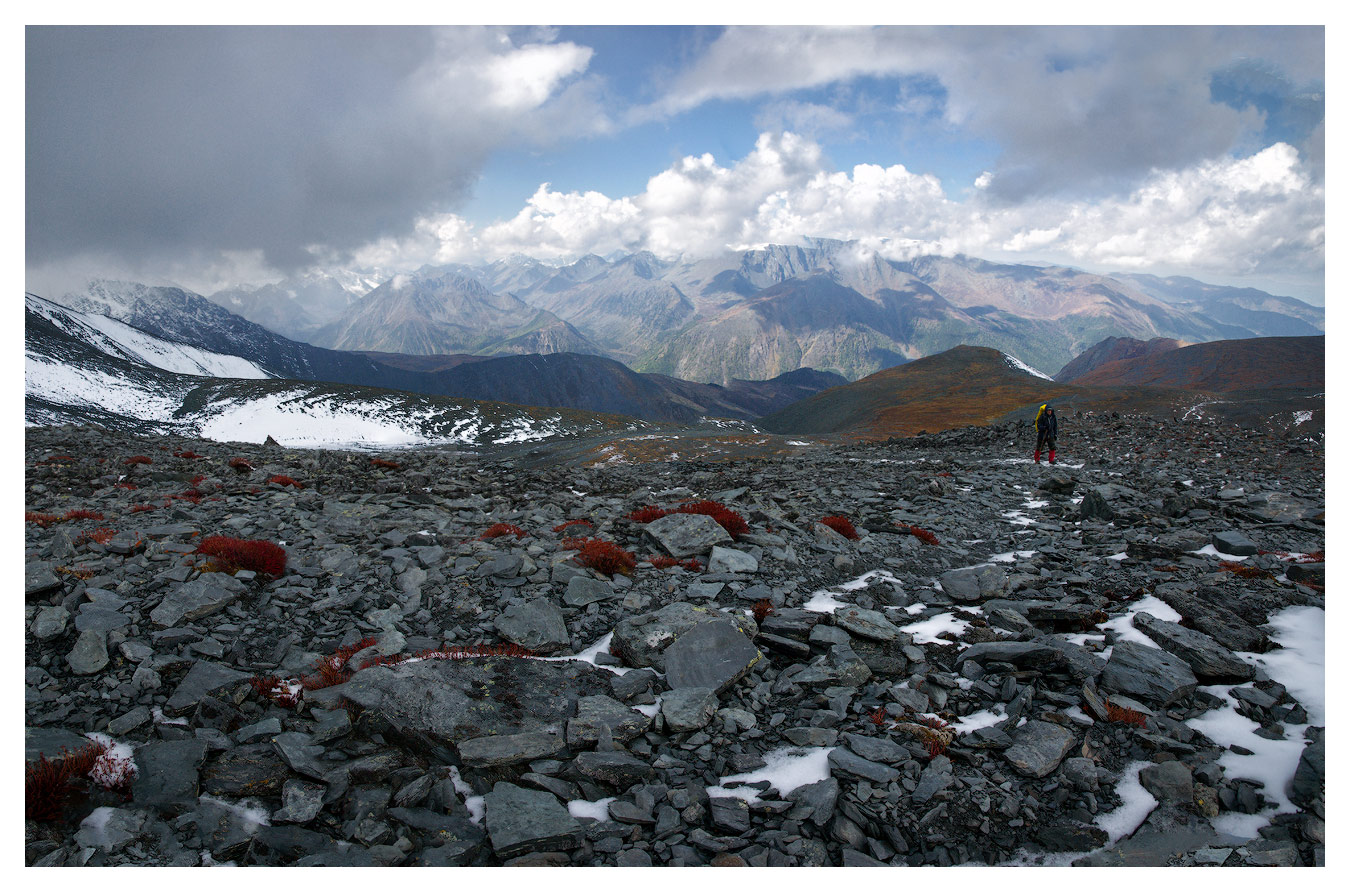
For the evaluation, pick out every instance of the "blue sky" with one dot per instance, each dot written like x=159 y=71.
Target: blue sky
x=217 y=155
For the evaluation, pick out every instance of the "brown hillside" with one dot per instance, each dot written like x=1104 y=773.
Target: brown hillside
x=1222 y=366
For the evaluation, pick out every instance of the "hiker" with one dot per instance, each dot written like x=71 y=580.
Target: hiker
x=1047 y=428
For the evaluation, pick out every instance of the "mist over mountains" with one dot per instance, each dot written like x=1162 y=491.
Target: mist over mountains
x=831 y=305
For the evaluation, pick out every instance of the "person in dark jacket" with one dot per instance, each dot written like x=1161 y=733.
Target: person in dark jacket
x=1047 y=428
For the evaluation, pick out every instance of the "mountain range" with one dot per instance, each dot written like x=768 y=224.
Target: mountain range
x=752 y=315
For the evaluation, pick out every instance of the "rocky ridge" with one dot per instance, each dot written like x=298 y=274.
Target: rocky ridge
x=1012 y=663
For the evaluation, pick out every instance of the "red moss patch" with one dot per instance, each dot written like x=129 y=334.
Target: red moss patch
x=732 y=522
x=231 y=555
x=604 y=557
x=42 y=520
x=283 y=480
x=841 y=525
x=918 y=533
x=503 y=529
x=662 y=562
x=48 y=786
x=82 y=514
x=1125 y=716
x=761 y=610
x=384 y=463
x=646 y=514
x=138 y=460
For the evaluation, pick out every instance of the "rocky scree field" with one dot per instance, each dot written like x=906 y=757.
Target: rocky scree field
x=252 y=655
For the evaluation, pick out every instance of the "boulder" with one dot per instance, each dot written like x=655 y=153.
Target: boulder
x=871 y=624
x=536 y=625
x=196 y=599
x=969 y=584
x=521 y=821
x=687 y=535
x=509 y=749
x=1038 y=747
x=688 y=709
x=1149 y=673
x=1233 y=542
x=1211 y=662
x=597 y=711
x=729 y=560
x=643 y=639
x=710 y=655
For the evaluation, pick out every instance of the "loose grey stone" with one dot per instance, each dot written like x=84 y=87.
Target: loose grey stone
x=1038 y=747
x=624 y=723
x=1149 y=673
x=202 y=679
x=98 y=619
x=509 y=749
x=537 y=625
x=710 y=655
x=820 y=797
x=1168 y=782
x=848 y=762
x=974 y=583
x=878 y=749
x=301 y=802
x=871 y=624
x=730 y=560
x=687 y=535
x=38 y=579
x=1211 y=662
x=583 y=590
x=521 y=821
x=166 y=774
x=615 y=768
x=1233 y=542
x=50 y=622
x=688 y=709
x=196 y=599
x=90 y=653
x=936 y=777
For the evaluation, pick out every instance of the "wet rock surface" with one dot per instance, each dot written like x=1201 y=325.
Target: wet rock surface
x=954 y=701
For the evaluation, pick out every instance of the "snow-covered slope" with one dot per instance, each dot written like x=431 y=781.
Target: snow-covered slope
x=121 y=340
x=82 y=369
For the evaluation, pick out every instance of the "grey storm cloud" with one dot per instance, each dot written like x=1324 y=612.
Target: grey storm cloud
x=154 y=141
x=1071 y=108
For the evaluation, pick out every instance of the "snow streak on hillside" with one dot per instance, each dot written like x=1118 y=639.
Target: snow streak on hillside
x=121 y=340
x=1019 y=365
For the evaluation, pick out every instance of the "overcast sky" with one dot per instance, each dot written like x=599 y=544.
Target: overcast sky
x=211 y=156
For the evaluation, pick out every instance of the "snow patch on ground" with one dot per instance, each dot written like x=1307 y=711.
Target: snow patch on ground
x=1009 y=557
x=70 y=385
x=985 y=718
x=589 y=654
x=785 y=769
x=585 y=808
x=1123 y=625
x=1301 y=417
x=1136 y=805
x=927 y=631
x=1211 y=551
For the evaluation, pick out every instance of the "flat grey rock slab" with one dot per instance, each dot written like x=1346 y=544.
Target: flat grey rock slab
x=731 y=560
x=536 y=625
x=1169 y=782
x=970 y=584
x=710 y=655
x=688 y=709
x=99 y=619
x=194 y=600
x=90 y=653
x=509 y=749
x=848 y=762
x=1233 y=542
x=521 y=821
x=583 y=590
x=1206 y=615
x=1038 y=747
x=1149 y=673
x=167 y=773
x=612 y=767
x=302 y=754
x=821 y=797
x=936 y=777
x=38 y=579
x=878 y=749
x=50 y=622
x=597 y=711
x=301 y=801
x=50 y=742
x=1210 y=661
x=453 y=700
x=1023 y=654
x=202 y=679
x=870 y=624
x=643 y=639
x=687 y=535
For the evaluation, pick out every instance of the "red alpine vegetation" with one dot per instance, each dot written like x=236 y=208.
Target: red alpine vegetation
x=49 y=785
x=197 y=479
x=1125 y=716
x=102 y=535
x=138 y=460
x=241 y=465
x=732 y=522
x=878 y=716
x=841 y=525
x=333 y=670
x=661 y=562
x=127 y=486
x=187 y=453
x=42 y=520
x=572 y=523
x=258 y=555
x=918 y=533
x=606 y=557
x=283 y=480
x=646 y=514
x=761 y=610
x=384 y=463
x=82 y=514
x=503 y=529
x=693 y=565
